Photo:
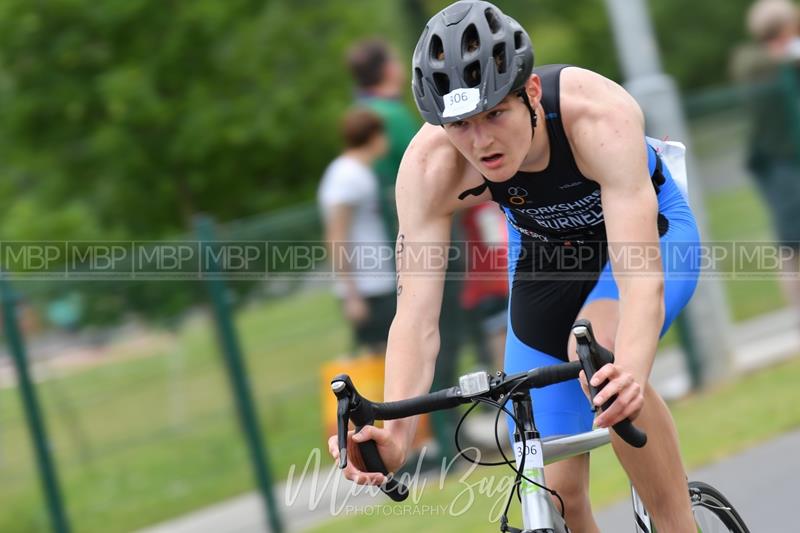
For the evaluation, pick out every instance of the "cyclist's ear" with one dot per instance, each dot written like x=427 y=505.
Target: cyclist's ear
x=533 y=88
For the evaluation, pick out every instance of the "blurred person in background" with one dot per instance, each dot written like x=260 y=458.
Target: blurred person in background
x=380 y=80
x=348 y=199
x=774 y=153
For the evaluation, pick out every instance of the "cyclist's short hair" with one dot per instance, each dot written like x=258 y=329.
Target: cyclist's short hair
x=366 y=60
x=359 y=126
x=766 y=19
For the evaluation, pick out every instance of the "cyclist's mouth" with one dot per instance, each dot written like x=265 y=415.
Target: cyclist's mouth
x=493 y=161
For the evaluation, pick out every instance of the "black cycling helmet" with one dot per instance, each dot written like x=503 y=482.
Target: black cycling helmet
x=467 y=60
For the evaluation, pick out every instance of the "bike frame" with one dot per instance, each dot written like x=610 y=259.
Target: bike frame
x=538 y=511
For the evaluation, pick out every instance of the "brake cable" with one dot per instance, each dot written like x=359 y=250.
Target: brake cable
x=519 y=475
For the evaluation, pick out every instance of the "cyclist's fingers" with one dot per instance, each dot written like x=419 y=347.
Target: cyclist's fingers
x=634 y=401
x=363 y=478
x=333 y=447
x=606 y=373
x=613 y=414
x=366 y=434
x=628 y=402
x=371 y=478
x=628 y=410
x=370 y=433
x=613 y=387
x=333 y=444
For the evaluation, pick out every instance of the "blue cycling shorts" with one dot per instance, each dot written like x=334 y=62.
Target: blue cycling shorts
x=544 y=303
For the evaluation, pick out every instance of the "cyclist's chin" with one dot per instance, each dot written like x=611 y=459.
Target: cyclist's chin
x=497 y=173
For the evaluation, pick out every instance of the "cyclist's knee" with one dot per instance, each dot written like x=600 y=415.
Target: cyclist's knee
x=574 y=490
x=577 y=507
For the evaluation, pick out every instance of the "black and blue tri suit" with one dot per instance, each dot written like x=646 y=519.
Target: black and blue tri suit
x=558 y=260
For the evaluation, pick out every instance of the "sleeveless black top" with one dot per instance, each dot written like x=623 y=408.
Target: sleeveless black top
x=558 y=203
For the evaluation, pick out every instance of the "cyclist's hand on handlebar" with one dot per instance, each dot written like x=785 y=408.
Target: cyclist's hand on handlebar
x=390 y=450
x=629 y=393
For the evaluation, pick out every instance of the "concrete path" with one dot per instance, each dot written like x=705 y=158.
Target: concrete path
x=761 y=483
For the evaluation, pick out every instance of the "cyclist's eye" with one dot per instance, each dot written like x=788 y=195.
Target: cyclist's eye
x=495 y=114
x=458 y=124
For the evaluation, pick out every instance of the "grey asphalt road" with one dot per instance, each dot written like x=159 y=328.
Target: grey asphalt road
x=761 y=483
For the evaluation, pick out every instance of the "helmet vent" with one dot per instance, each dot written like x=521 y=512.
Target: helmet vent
x=492 y=19
x=518 y=41
x=420 y=84
x=472 y=74
x=437 y=48
x=499 y=55
x=442 y=82
x=470 y=41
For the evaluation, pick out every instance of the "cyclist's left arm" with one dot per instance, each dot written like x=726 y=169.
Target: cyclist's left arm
x=609 y=143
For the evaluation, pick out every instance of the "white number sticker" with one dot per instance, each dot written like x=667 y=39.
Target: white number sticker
x=533 y=453
x=461 y=101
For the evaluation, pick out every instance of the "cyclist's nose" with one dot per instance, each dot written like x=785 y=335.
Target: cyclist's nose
x=483 y=138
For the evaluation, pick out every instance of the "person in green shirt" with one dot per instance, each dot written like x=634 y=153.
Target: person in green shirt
x=774 y=147
x=380 y=80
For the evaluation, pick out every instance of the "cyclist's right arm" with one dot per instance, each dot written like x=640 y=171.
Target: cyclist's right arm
x=425 y=181
x=431 y=176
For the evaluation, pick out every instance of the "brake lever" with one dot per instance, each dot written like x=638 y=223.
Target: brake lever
x=593 y=357
x=582 y=329
x=342 y=418
x=348 y=401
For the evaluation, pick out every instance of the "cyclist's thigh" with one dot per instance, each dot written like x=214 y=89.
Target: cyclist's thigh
x=541 y=313
x=679 y=254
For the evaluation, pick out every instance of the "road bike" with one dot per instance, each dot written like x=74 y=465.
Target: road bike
x=712 y=511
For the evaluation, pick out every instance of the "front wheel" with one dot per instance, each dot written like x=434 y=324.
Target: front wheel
x=713 y=513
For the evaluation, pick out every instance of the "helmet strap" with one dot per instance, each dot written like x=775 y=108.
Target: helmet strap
x=534 y=117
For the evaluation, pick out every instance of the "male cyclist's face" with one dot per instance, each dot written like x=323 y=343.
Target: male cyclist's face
x=496 y=141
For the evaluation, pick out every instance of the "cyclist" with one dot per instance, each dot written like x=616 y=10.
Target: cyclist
x=563 y=151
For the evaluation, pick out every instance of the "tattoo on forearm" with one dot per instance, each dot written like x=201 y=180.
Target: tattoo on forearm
x=399 y=259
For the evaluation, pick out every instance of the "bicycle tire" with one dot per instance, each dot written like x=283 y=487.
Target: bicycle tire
x=713 y=512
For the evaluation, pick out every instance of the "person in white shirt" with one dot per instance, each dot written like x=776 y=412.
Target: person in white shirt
x=362 y=256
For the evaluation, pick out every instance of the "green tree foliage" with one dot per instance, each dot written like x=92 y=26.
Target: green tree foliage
x=123 y=118
x=697 y=38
